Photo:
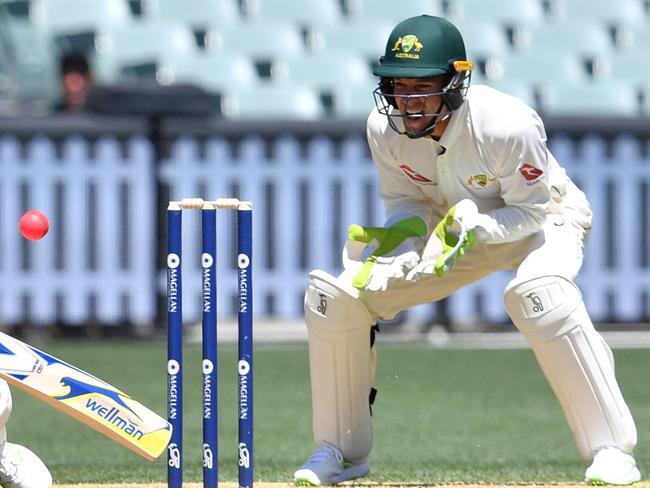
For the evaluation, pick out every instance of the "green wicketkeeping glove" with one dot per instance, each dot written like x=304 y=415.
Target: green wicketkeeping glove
x=391 y=251
x=452 y=237
x=456 y=240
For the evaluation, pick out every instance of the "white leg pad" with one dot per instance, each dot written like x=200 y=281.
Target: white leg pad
x=342 y=365
x=5 y=408
x=577 y=362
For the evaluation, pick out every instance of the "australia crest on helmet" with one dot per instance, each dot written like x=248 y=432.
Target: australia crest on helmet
x=408 y=47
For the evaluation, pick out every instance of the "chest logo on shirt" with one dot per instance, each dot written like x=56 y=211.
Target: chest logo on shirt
x=480 y=181
x=414 y=175
x=530 y=172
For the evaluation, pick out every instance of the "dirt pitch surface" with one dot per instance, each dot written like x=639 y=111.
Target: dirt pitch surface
x=643 y=484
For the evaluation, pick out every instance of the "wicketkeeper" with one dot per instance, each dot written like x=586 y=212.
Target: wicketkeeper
x=469 y=188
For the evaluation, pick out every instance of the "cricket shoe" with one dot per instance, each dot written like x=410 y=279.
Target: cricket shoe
x=611 y=466
x=326 y=466
x=21 y=468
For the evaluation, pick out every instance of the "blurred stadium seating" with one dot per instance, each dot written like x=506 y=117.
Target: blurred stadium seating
x=327 y=47
x=123 y=47
x=354 y=101
x=360 y=37
x=604 y=11
x=326 y=69
x=64 y=16
x=259 y=38
x=272 y=102
x=304 y=13
x=517 y=88
x=581 y=37
x=483 y=41
x=605 y=97
x=213 y=71
x=550 y=66
x=197 y=13
x=502 y=13
x=28 y=64
x=386 y=10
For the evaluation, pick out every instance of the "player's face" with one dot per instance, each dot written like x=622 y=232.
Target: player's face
x=418 y=100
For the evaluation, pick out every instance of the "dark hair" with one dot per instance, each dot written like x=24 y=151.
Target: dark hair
x=74 y=63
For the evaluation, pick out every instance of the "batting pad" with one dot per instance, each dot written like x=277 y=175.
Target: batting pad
x=577 y=362
x=5 y=408
x=341 y=365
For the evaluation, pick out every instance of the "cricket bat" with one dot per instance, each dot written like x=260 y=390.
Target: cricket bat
x=86 y=398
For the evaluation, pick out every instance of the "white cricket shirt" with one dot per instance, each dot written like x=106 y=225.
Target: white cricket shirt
x=493 y=152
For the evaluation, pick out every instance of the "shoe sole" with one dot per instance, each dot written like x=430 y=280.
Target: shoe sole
x=306 y=482
x=634 y=477
x=599 y=482
x=303 y=482
x=352 y=473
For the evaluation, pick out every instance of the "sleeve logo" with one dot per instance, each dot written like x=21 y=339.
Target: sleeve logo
x=414 y=175
x=530 y=172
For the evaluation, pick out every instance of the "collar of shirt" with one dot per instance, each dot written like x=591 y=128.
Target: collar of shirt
x=454 y=127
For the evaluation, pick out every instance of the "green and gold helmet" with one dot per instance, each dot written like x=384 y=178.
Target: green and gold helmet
x=423 y=47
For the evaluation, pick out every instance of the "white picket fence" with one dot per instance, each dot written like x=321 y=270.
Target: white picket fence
x=95 y=264
x=98 y=263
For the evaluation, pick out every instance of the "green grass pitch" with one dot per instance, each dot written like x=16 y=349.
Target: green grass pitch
x=440 y=415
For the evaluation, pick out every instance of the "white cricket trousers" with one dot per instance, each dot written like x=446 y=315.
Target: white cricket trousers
x=575 y=359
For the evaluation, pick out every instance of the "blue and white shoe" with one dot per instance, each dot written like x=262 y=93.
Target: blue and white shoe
x=326 y=466
x=21 y=468
x=611 y=466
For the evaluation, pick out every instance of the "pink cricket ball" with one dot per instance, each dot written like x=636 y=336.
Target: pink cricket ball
x=33 y=225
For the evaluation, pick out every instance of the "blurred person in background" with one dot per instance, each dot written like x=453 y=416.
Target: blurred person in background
x=469 y=188
x=76 y=81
